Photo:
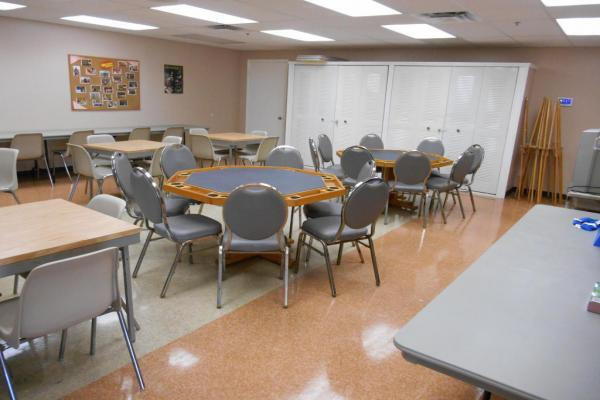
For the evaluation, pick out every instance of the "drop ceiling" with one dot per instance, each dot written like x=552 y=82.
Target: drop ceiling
x=497 y=22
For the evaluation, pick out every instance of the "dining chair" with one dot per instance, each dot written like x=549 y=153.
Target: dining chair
x=477 y=161
x=177 y=131
x=80 y=138
x=180 y=229
x=59 y=295
x=153 y=165
x=140 y=134
x=356 y=223
x=352 y=161
x=175 y=158
x=411 y=172
x=371 y=141
x=431 y=145
x=100 y=159
x=254 y=217
x=314 y=154
x=83 y=165
x=326 y=152
x=203 y=150
x=264 y=148
x=251 y=149
x=31 y=148
x=9 y=182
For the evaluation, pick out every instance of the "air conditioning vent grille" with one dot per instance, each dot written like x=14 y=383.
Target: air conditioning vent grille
x=224 y=27
x=450 y=16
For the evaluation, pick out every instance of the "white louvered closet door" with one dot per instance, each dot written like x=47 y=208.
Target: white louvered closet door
x=360 y=104
x=491 y=126
x=313 y=107
x=461 y=111
x=417 y=105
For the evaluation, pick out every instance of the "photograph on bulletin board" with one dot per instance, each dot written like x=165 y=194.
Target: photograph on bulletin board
x=173 y=79
x=104 y=84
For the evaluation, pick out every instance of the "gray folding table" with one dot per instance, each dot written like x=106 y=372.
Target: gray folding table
x=515 y=322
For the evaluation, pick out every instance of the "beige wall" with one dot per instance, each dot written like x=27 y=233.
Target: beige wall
x=569 y=72
x=35 y=88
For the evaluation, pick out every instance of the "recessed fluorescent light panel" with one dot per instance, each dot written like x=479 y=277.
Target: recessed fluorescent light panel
x=563 y=3
x=356 y=8
x=86 y=19
x=203 y=14
x=9 y=6
x=580 y=26
x=419 y=31
x=298 y=35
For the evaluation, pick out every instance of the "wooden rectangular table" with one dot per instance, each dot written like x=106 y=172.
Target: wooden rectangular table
x=515 y=322
x=45 y=231
x=232 y=140
x=132 y=148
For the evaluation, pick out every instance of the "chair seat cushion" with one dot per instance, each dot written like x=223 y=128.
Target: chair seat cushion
x=240 y=244
x=406 y=188
x=326 y=228
x=442 y=184
x=188 y=227
x=334 y=170
x=323 y=209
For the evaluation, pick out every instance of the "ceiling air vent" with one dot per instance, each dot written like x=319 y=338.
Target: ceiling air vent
x=449 y=16
x=206 y=39
x=224 y=28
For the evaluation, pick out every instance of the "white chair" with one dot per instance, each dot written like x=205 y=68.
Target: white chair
x=177 y=131
x=100 y=159
x=8 y=172
x=153 y=166
x=61 y=294
x=251 y=149
x=140 y=134
x=264 y=148
x=79 y=137
x=203 y=150
x=84 y=166
x=31 y=147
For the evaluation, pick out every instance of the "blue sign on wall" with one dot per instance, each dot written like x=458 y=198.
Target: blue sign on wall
x=565 y=101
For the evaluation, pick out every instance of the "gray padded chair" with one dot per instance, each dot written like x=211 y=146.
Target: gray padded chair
x=153 y=165
x=254 y=217
x=431 y=145
x=140 y=134
x=31 y=148
x=61 y=294
x=353 y=159
x=121 y=168
x=477 y=161
x=371 y=141
x=452 y=183
x=180 y=229
x=364 y=204
x=84 y=166
x=9 y=182
x=175 y=158
x=80 y=138
x=326 y=152
x=411 y=172
x=314 y=154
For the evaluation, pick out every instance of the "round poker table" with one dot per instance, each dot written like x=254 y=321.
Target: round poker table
x=213 y=185
x=386 y=158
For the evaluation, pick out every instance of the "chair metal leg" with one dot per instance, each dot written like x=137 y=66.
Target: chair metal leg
x=48 y=171
x=339 y=256
x=422 y=208
x=472 y=199
x=7 y=376
x=292 y=221
x=16 y=284
x=329 y=270
x=93 y=337
x=63 y=345
x=286 y=276
x=299 y=247
x=308 y=251
x=441 y=205
x=66 y=167
x=136 y=367
x=180 y=247
x=142 y=254
x=462 y=209
x=74 y=187
x=190 y=255
x=14 y=195
x=374 y=260
x=220 y=277
x=362 y=260
x=385 y=215
x=100 y=185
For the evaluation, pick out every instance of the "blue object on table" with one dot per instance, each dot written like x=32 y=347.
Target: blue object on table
x=597 y=240
x=586 y=223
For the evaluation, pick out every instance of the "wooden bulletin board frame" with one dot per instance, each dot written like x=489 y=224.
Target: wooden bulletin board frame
x=104 y=83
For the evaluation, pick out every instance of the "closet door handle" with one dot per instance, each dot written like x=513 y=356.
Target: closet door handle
x=428 y=128
x=345 y=121
x=322 y=119
x=280 y=118
x=458 y=130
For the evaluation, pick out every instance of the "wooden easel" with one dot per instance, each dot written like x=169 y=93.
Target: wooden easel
x=545 y=143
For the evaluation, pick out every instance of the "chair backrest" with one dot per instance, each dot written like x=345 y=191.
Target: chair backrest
x=371 y=141
x=353 y=159
x=155 y=169
x=108 y=205
x=260 y=132
x=198 y=131
x=461 y=167
x=8 y=169
x=412 y=168
x=265 y=147
x=175 y=158
x=140 y=134
x=365 y=202
x=431 y=145
x=147 y=196
x=82 y=161
x=78 y=137
x=177 y=131
x=325 y=148
x=172 y=139
x=314 y=154
x=100 y=139
x=367 y=171
x=285 y=156
x=201 y=146
x=121 y=169
x=255 y=211
x=479 y=154
x=60 y=294
x=30 y=145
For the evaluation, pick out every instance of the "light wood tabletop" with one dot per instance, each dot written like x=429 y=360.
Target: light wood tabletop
x=126 y=146
x=234 y=137
x=42 y=228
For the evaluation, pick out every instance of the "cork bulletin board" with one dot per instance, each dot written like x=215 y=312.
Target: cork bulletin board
x=104 y=84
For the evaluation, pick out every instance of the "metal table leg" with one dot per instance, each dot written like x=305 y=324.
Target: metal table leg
x=128 y=293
